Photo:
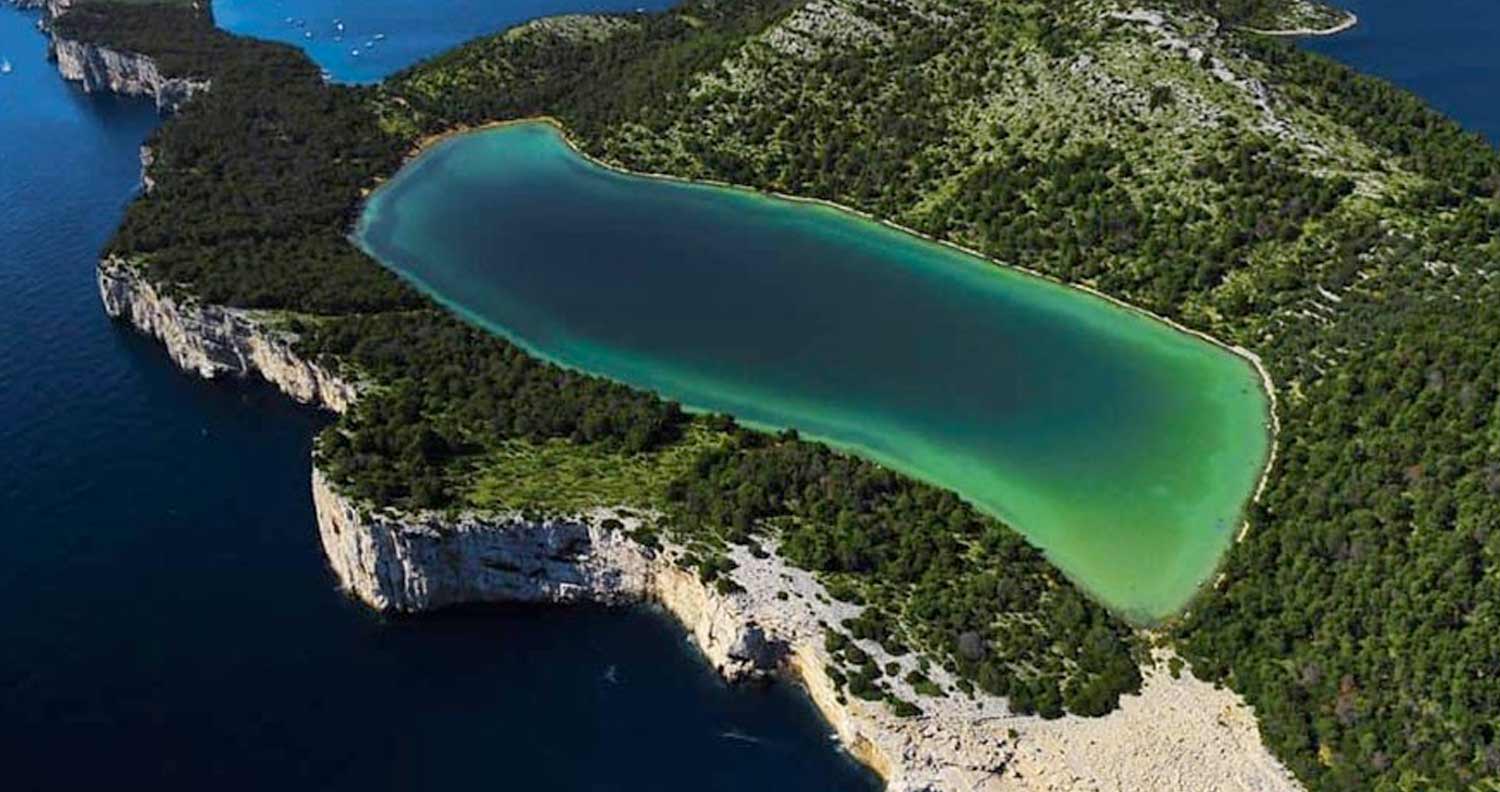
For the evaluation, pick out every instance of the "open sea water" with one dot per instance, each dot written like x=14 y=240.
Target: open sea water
x=166 y=618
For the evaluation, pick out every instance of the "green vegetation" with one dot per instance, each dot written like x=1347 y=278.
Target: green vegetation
x=459 y=419
x=1271 y=14
x=1327 y=221
x=269 y=164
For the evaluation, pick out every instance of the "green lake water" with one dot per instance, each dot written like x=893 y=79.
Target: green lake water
x=1125 y=449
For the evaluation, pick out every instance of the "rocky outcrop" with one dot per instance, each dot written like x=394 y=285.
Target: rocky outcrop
x=1178 y=734
x=214 y=341
x=50 y=8
x=413 y=563
x=101 y=69
x=98 y=68
x=148 y=157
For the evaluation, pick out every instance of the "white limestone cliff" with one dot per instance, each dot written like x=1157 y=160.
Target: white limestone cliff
x=51 y=9
x=1178 y=734
x=414 y=563
x=100 y=69
x=214 y=341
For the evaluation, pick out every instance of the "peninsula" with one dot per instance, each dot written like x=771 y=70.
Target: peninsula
x=1160 y=154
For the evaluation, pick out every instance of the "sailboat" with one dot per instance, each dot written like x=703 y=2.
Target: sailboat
x=4 y=66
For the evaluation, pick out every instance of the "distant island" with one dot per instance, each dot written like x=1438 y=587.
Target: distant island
x=1162 y=154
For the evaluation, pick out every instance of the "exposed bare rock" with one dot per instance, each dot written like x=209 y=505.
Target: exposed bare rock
x=1179 y=734
x=148 y=157
x=214 y=341
x=100 y=69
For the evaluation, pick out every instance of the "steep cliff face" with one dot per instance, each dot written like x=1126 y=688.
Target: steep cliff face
x=411 y=563
x=214 y=341
x=50 y=8
x=98 y=68
x=1178 y=734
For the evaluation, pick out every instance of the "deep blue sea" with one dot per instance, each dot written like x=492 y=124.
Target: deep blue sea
x=1447 y=52
x=166 y=619
x=361 y=41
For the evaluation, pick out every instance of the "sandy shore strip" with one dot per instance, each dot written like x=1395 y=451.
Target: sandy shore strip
x=1350 y=20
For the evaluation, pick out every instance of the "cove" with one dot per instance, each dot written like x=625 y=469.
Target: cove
x=1123 y=448
x=364 y=41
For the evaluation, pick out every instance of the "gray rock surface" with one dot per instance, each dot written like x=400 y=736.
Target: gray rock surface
x=214 y=341
x=100 y=69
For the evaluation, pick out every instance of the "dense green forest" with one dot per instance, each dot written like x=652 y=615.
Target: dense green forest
x=1329 y=222
x=255 y=191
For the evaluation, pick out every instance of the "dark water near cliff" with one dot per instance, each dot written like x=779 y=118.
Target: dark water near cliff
x=165 y=616
x=381 y=37
x=1448 y=53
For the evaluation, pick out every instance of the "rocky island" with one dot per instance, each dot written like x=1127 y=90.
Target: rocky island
x=1156 y=153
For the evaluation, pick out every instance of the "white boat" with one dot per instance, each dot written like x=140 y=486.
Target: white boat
x=5 y=67
x=355 y=53
x=380 y=37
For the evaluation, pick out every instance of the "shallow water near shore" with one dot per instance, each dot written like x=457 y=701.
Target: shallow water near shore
x=1124 y=448
x=364 y=41
x=168 y=619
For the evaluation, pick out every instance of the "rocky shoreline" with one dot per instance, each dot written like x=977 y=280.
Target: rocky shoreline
x=213 y=341
x=99 y=69
x=1179 y=733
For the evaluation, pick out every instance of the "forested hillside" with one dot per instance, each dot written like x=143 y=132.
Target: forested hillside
x=1327 y=221
x=256 y=188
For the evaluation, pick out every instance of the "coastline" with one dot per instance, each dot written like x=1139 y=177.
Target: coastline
x=1179 y=732
x=962 y=744
x=1154 y=740
x=1268 y=386
x=1350 y=21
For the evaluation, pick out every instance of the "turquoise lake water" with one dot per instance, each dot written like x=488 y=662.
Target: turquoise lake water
x=1124 y=448
x=169 y=620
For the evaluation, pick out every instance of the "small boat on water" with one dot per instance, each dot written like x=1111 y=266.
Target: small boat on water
x=5 y=66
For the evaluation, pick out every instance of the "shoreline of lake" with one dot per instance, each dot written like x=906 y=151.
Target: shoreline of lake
x=1270 y=423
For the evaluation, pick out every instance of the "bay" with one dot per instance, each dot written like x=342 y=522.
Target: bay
x=364 y=41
